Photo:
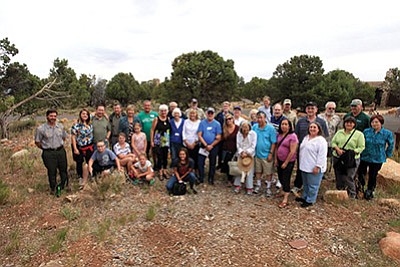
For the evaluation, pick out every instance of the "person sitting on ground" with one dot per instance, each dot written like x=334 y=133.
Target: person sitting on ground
x=103 y=160
x=183 y=171
x=123 y=152
x=142 y=170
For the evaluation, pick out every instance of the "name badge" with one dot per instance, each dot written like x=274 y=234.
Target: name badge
x=176 y=134
x=209 y=128
x=151 y=115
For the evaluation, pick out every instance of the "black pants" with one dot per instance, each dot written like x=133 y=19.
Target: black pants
x=298 y=181
x=56 y=160
x=194 y=155
x=372 y=173
x=84 y=156
x=162 y=157
x=98 y=169
x=284 y=175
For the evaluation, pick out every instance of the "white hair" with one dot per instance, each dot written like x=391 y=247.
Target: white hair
x=163 y=107
x=177 y=110
x=330 y=103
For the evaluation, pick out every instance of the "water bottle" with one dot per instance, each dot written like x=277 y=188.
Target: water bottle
x=58 y=191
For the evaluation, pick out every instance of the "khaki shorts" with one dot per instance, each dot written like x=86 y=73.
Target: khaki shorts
x=264 y=167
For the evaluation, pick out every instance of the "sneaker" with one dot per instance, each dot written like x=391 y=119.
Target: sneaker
x=135 y=182
x=295 y=190
x=80 y=181
x=152 y=181
x=268 y=192
x=256 y=190
x=249 y=192
x=278 y=184
x=369 y=195
x=237 y=189
x=306 y=204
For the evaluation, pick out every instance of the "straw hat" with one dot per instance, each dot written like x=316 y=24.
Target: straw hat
x=245 y=164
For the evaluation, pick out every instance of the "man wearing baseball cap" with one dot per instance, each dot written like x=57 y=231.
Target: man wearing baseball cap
x=288 y=112
x=194 y=105
x=362 y=119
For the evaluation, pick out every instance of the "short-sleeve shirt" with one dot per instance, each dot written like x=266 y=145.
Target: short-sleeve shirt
x=141 y=168
x=266 y=137
x=100 y=129
x=182 y=169
x=50 y=137
x=284 y=148
x=123 y=151
x=83 y=133
x=146 y=119
x=104 y=159
x=362 y=120
x=209 y=130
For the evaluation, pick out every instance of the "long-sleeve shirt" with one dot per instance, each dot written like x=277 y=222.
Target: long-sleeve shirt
x=378 y=146
x=247 y=144
x=189 y=132
x=313 y=153
x=356 y=143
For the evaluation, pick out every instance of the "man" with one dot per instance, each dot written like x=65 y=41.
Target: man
x=289 y=113
x=114 y=119
x=209 y=133
x=101 y=126
x=362 y=119
x=194 y=105
x=265 y=147
x=50 y=137
x=332 y=122
x=237 y=115
x=301 y=131
x=277 y=116
x=266 y=108
x=103 y=160
x=172 y=106
x=225 y=111
x=146 y=118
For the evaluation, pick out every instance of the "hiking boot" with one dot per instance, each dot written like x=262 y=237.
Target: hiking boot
x=369 y=195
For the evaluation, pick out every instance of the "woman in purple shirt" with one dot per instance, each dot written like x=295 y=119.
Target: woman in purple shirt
x=285 y=156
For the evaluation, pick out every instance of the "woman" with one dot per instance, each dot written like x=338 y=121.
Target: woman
x=176 y=133
x=159 y=135
x=183 y=171
x=347 y=138
x=230 y=130
x=82 y=143
x=246 y=141
x=126 y=124
x=285 y=157
x=190 y=137
x=313 y=155
x=379 y=145
x=253 y=116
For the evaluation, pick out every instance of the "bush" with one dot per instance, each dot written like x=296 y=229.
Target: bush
x=4 y=193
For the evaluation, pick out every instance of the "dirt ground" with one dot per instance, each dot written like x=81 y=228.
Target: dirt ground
x=118 y=224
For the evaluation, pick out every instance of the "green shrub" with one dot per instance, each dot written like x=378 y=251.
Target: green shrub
x=4 y=193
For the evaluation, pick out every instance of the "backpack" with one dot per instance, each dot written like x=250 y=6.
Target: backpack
x=179 y=189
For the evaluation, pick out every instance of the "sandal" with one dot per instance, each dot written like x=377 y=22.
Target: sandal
x=283 y=205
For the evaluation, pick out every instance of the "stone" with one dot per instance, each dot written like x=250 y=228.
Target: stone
x=71 y=198
x=334 y=196
x=19 y=154
x=390 y=245
x=390 y=171
x=298 y=244
x=389 y=202
x=31 y=190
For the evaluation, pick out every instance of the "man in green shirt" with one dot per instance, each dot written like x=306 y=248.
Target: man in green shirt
x=146 y=118
x=362 y=119
x=101 y=126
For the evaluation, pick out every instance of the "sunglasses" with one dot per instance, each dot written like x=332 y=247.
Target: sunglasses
x=229 y=119
x=331 y=108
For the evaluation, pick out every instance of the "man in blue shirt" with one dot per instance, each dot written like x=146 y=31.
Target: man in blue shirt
x=265 y=147
x=209 y=133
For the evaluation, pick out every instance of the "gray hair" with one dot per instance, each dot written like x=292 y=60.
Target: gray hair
x=330 y=103
x=177 y=110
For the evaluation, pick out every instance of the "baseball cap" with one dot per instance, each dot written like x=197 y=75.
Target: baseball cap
x=237 y=107
x=311 y=104
x=210 y=110
x=287 y=101
x=194 y=100
x=356 y=102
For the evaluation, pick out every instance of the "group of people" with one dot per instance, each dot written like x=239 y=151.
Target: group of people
x=270 y=140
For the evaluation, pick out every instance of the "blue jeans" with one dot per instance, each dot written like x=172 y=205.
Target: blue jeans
x=311 y=183
x=174 y=148
x=190 y=177
x=212 y=160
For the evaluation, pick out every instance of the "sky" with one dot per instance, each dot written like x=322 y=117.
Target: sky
x=143 y=37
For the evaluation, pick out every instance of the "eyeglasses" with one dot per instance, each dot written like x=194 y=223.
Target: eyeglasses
x=229 y=119
x=331 y=108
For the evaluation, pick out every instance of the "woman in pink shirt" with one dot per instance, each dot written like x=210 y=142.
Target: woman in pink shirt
x=285 y=156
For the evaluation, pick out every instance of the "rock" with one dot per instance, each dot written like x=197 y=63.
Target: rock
x=3 y=141
x=390 y=245
x=389 y=202
x=72 y=198
x=390 y=171
x=298 y=244
x=334 y=196
x=20 y=153
x=51 y=264
x=31 y=190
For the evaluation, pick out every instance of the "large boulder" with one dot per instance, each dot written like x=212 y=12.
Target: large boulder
x=390 y=245
x=390 y=172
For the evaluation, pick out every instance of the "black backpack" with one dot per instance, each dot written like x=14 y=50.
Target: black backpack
x=179 y=189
